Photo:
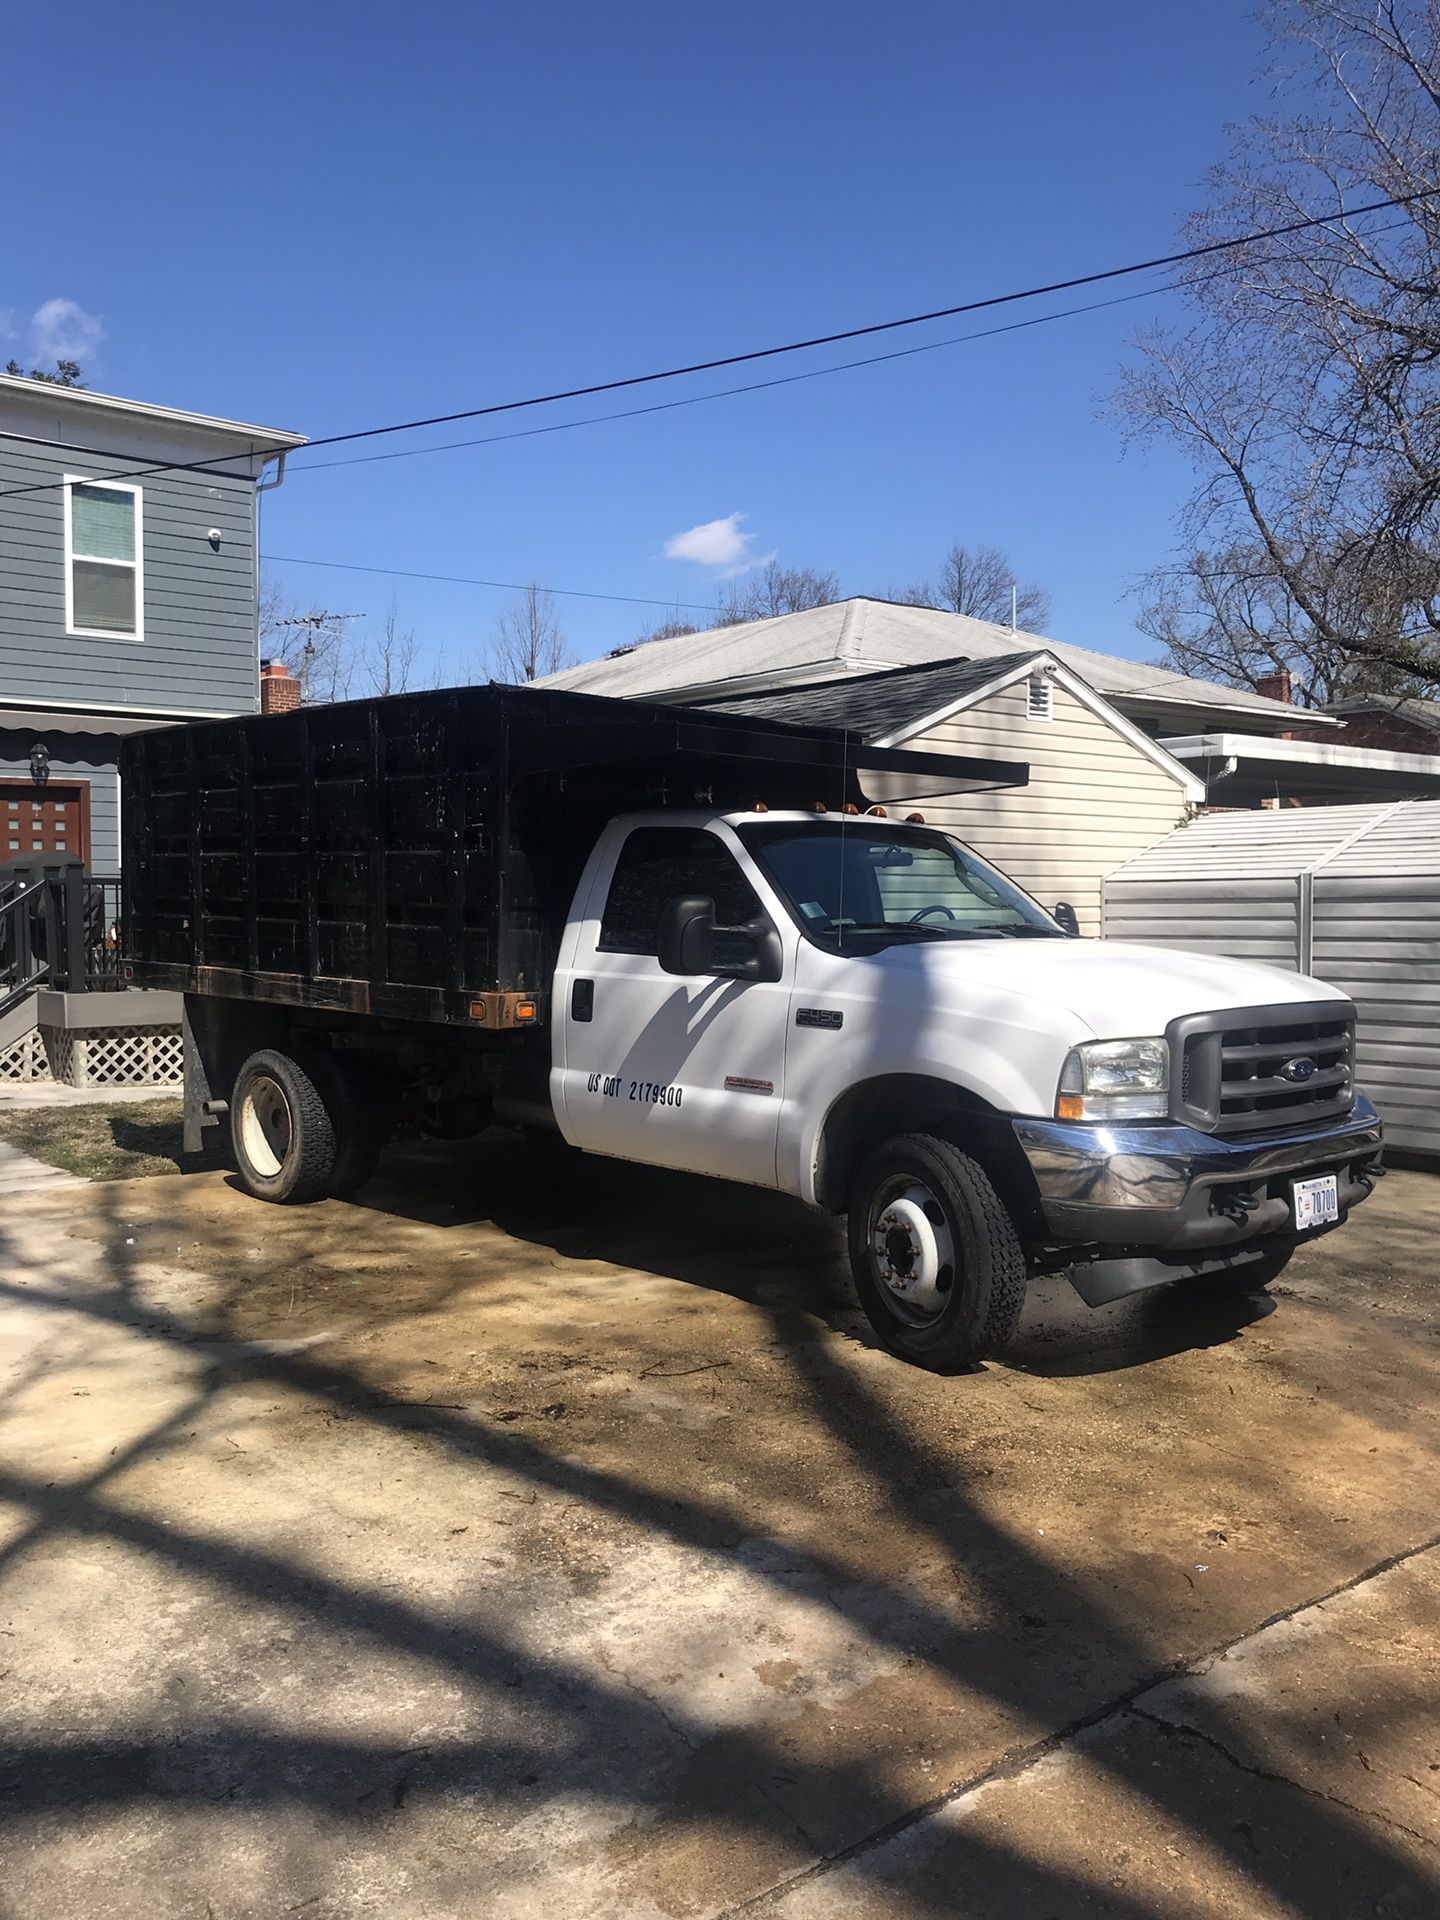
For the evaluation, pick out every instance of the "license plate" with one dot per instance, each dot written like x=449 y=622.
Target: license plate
x=1316 y=1201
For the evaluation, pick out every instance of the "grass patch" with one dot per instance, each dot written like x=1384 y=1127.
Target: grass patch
x=100 y=1143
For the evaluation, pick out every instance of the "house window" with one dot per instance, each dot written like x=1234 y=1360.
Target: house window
x=104 y=583
x=1039 y=697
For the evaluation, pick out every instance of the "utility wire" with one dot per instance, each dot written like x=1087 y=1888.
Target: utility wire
x=781 y=380
x=726 y=393
x=505 y=586
x=791 y=346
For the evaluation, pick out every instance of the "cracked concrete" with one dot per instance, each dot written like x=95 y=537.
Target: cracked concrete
x=529 y=1546
x=1348 y=1683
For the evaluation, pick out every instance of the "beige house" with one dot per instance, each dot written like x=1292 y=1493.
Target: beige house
x=1090 y=725
x=1100 y=790
x=863 y=636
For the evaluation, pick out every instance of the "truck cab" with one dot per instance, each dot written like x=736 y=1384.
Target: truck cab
x=861 y=1012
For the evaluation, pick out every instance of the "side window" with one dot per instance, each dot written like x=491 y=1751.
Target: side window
x=655 y=864
x=104 y=583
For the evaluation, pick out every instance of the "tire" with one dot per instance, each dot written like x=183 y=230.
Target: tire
x=356 y=1116
x=944 y=1283
x=286 y=1128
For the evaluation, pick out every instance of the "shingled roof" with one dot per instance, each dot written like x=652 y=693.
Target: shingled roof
x=863 y=636
x=874 y=704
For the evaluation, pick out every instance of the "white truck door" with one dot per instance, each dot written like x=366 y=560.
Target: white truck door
x=671 y=1071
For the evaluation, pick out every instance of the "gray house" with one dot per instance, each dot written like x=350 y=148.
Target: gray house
x=128 y=596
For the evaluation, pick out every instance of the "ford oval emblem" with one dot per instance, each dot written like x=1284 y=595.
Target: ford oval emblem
x=1302 y=1069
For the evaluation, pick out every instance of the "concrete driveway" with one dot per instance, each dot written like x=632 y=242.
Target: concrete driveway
x=540 y=1537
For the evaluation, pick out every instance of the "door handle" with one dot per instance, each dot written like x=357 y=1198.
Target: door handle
x=582 y=1000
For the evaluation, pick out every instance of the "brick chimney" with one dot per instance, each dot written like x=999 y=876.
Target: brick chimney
x=1276 y=686
x=279 y=693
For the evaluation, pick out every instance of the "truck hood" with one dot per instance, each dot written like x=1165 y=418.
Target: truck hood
x=1119 y=989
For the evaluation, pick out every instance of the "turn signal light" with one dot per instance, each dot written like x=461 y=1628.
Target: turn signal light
x=759 y=807
x=915 y=819
x=525 y=1010
x=479 y=1010
x=878 y=812
x=1070 y=1106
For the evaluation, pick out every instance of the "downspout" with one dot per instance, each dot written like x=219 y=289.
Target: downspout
x=263 y=486
x=1215 y=774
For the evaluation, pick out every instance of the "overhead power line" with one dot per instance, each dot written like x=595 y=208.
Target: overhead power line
x=753 y=354
x=726 y=393
x=504 y=586
x=780 y=380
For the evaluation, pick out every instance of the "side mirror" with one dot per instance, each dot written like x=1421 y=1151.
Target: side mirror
x=687 y=934
x=1066 y=918
x=691 y=943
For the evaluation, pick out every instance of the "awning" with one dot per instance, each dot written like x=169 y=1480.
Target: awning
x=1240 y=770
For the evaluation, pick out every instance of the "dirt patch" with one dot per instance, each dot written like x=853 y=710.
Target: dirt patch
x=519 y=1541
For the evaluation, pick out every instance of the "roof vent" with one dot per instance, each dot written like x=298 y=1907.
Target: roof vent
x=1039 y=697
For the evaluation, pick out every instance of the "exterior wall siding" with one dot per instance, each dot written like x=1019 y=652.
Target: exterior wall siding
x=1094 y=798
x=1377 y=936
x=1250 y=919
x=199 y=651
x=1348 y=894
x=92 y=757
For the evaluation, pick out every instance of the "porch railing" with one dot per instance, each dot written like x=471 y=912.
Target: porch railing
x=59 y=927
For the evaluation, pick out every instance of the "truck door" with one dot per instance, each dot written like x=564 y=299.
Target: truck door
x=650 y=1066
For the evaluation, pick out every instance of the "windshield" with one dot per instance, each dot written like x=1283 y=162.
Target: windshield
x=867 y=883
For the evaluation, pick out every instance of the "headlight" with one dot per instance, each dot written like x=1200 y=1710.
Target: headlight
x=1115 y=1080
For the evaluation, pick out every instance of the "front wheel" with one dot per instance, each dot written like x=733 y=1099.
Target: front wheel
x=937 y=1262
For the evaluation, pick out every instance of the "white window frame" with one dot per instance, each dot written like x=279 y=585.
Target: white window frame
x=137 y=565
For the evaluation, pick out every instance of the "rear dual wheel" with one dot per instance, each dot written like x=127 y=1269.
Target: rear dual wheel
x=302 y=1127
x=937 y=1262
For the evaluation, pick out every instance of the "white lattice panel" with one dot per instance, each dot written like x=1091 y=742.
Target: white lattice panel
x=61 y=1050
x=116 y=1056
x=24 y=1059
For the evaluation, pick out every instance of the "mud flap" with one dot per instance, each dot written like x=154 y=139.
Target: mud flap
x=1098 y=1282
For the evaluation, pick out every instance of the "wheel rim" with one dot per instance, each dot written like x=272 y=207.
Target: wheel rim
x=266 y=1127
x=912 y=1247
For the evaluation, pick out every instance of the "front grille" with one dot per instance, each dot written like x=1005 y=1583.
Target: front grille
x=1254 y=1067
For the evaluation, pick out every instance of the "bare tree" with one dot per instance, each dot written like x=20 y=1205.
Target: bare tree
x=775 y=590
x=389 y=657
x=1307 y=388
x=527 y=642
x=979 y=582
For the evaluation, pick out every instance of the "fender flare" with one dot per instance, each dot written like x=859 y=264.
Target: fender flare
x=873 y=1110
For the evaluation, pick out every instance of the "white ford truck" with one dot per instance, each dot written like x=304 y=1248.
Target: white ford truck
x=848 y=1006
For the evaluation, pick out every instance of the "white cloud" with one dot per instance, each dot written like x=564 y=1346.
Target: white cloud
x=63 y=330
x=7 y=323
x=716 y=543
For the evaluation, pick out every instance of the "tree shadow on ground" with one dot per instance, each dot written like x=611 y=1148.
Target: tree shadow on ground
x=760 y=1246
x=602 y=1738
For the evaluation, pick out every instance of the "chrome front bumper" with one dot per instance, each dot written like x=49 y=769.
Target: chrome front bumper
x=1181 y=1194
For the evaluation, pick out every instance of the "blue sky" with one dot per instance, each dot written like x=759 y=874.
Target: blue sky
x=321 y=217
